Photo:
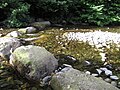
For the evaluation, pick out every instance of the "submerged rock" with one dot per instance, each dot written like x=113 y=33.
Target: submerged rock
x=33 y=62
x=73 y=79
x=8 y=45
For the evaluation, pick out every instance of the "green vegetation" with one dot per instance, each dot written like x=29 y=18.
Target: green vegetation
x=16 y=13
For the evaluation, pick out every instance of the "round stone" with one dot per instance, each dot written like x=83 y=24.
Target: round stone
x=108 y=80
x=114 y=83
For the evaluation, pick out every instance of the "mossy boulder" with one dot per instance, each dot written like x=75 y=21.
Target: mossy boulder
x=33 y=62
x=72 y=79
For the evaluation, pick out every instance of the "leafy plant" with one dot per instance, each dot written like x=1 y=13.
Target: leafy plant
x=16 y=11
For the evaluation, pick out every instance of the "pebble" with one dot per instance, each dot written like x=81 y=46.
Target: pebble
x=114 y=77
x=114 y=83
x=108 y=80
x=88 y=72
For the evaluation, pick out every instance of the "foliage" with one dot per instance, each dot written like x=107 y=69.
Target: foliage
x=97 y=12
x=16 y=12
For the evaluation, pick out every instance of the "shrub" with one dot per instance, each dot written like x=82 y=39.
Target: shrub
x=16 y=12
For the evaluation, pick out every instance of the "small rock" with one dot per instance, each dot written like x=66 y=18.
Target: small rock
x=108 y=72
x=94 y=74
x=109 y=67
x=114 y=83
x=103 y=69
x=108 y=80
x=114 y=77
x=46 y=80
x=87 y=63
x=1 y=29
x=118 y=85
x=88 y=72
x=65 y=69
x=99 y=71
x=31 y=30
x=66 y=65
x=22 y=30
x=0 y=35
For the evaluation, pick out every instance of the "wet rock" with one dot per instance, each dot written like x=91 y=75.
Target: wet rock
x=73 y=79
x=108 y=80
x=33 y=62
x=8 y=45
x=66 y=59
x=103 y=69
x=14 y=34
x=87 y=63
x=109 y=67
x=108 y=72
x=99 y=71
x=114 y=77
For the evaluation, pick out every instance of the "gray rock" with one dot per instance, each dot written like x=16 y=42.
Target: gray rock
x=87 y=63
x=31 y=30
x=33 y=62
x=118 y=84
x=41 y=25
x=73 y=79
x=103 y=69
x=88 y=72
x=7 y=45
x=108 y=80
x=99 y=71
x=114 y=83
x=14 y=34
x=108 y=72
x=95 y=75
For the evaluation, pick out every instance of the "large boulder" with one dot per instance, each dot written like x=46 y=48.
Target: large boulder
x=7 y=45
x=33 y=62
x=72 y=79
